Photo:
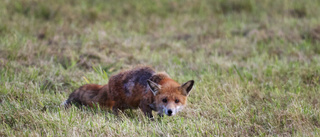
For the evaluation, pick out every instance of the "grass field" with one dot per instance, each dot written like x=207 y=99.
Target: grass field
x=256 y=65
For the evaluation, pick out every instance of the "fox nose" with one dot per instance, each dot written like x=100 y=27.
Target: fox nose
x=169 y=112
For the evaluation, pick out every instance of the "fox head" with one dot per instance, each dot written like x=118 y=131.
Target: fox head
x=170 y=98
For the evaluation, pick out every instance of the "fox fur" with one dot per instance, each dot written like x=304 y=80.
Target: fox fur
x=140 y=87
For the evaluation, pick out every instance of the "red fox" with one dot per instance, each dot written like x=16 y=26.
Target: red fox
x=140 y=87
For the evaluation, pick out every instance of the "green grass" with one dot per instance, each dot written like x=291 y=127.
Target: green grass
x=255 y=64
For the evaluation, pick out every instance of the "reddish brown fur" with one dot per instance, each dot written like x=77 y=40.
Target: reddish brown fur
x=130 y=90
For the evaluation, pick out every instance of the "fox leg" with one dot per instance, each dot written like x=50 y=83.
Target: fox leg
x=146 y=109
x=160 y=114
x=116 y=108
x=147 y=112
x=115 y=111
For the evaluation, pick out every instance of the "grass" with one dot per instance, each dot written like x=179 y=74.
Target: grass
x=255 y=64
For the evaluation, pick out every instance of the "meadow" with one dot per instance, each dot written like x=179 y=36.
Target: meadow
x=256 y=65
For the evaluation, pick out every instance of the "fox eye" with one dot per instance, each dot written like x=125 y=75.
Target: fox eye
x=164 y=100
x=177 y=101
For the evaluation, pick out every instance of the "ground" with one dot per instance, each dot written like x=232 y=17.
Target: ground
x=255 y=65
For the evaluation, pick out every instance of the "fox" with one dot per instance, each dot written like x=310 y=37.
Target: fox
x=140 y=87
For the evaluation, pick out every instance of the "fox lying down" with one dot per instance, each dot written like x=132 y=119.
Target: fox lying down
x=140 y=87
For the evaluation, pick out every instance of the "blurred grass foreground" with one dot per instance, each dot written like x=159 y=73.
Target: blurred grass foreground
x=255 y=64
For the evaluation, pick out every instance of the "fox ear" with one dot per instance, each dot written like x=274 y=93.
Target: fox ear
x=154 y=87
x=186 y=87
